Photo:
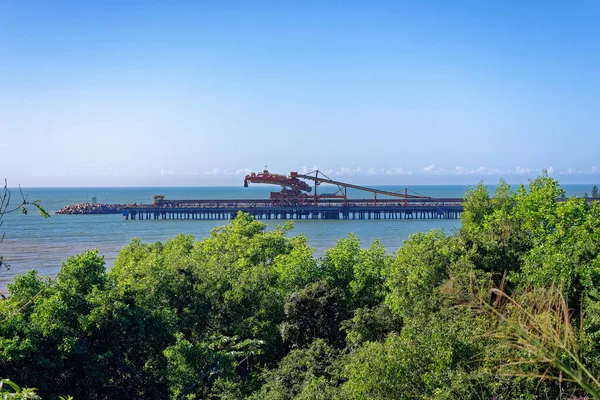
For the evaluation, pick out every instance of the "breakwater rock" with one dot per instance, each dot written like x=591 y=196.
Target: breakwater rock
x=89 y=208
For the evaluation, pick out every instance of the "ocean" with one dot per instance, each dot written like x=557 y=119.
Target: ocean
x=33 y=242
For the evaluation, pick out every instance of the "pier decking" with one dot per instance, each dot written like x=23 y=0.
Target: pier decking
x=264 y=209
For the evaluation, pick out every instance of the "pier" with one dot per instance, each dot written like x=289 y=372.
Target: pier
x=295 y=201
x=326 y=210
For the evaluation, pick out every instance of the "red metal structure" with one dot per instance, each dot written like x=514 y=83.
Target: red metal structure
x=292 y=183
x=292 y=188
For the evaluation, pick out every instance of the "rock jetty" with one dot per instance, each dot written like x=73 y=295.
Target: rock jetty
x=89 y=208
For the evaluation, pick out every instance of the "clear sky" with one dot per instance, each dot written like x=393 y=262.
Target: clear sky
x=119 y=93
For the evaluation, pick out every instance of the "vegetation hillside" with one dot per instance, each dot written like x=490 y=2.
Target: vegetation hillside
x=505 y=307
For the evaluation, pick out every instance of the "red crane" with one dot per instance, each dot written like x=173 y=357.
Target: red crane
x=277 y=179
x=291 y=188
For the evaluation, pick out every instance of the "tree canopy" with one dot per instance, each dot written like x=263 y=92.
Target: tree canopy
x=250 y=312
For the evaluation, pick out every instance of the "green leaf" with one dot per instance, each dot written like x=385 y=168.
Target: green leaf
x=37 y=205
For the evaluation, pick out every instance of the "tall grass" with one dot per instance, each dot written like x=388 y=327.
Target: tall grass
x=538 y=325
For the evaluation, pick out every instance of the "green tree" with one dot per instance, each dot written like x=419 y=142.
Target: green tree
x=359 y=273
x=233 y=284
x=309 y=372
x=10 y=390
x=339 y=262
x=201 y=368
x=430 y=358
x=83 y=336
x=568 y=255
x=371 y=325
x=421 y=265
x=314 y=312
x=490 y=232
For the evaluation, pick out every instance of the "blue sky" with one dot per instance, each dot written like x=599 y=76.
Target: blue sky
x=199 y=93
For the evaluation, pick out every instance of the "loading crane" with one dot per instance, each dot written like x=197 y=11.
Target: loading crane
x=343 y=188
x=293 y=188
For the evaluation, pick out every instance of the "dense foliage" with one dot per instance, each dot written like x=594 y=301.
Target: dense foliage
x=251 y=313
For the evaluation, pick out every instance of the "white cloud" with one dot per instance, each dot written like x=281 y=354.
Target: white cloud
x=65 y=174
x=571 y=171
x=370 y=172
x=349 y=171
x=110 y=173
x=460 y=170
x=479 y=171
x=305 y=170
x=243 y=171
x=212 y=172
x=432 y=169
x=397 y=171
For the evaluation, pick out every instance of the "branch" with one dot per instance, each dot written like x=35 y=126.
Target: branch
x=5 y=201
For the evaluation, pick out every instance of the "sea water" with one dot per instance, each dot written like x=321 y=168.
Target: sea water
x=33 y=242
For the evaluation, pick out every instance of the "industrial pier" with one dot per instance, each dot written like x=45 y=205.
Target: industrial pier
x=224 y=210
x=295 y=202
